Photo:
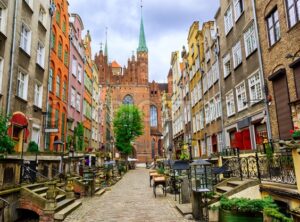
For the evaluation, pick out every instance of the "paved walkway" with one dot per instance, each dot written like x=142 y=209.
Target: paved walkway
x=130 y=200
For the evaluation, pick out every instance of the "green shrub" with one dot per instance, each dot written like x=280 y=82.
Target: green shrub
x=33 y=147
x=160 y=170
x=276 y=215
x=245 y=205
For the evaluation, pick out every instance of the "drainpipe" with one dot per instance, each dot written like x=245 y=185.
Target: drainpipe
x=12 y=57
x=268 y=123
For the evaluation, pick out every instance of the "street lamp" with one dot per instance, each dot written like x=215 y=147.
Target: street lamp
x=201 y=183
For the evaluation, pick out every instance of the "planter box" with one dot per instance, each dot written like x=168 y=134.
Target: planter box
x=213 y=215
x=226 y=216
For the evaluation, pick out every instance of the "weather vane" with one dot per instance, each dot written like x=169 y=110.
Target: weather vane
x=141 y=6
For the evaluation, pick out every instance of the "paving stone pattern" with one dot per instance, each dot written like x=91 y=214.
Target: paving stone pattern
x=132 y=200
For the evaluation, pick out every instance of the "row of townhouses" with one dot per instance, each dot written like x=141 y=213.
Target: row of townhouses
x=49 y=82
x=238 y=82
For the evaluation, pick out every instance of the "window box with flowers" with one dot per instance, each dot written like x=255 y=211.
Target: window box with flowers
x=295 y=133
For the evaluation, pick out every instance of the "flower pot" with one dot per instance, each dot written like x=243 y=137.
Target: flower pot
x=226 y=216
x=296 y=137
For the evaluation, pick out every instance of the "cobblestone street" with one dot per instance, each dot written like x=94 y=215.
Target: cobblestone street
x=131 y=199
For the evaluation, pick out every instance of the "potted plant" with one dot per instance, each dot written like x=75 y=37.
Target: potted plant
x=244 y=209
x=273 y=215
x=295 y=133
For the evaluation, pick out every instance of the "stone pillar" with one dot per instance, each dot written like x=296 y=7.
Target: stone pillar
x=199 y=209
x=70 y=188
x=185 y=191
x=50 y=196
x=296 y=159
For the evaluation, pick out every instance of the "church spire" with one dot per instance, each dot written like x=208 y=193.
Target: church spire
x=142 y=39
x=106 y=49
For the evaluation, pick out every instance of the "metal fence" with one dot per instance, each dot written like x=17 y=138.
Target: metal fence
x=276 y=168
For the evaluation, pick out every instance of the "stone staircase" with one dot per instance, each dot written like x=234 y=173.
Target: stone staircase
x=37 y=194
x=230 y=187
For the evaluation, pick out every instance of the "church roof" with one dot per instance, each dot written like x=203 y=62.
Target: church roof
x=114 y=64
x=142 y=40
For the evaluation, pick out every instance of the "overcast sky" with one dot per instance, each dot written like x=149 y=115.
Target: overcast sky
x=166 y=25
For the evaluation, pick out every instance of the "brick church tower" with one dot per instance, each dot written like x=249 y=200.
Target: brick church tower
x=131 y=85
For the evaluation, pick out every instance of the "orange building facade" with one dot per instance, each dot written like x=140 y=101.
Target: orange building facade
x=56 y=129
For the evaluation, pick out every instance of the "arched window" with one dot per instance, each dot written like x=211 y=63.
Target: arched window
x=153 y=116
x=128 y=100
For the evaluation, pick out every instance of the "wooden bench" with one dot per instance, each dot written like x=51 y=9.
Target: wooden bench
x=159 y=180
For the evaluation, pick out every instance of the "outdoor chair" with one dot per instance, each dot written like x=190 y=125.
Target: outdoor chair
x=160 y=180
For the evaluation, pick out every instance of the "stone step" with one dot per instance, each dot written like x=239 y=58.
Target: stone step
x=61 y=215
x=58 y=198
x=224 y=189
x=35 y=186
x=235 y=183
x=40 y=190
x=97 y=189
x=100 y=192
x=64 y=203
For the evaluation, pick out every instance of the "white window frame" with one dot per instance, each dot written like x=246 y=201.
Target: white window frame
x=230 y=104
x=218 y=106
x=237 y=54
x=1 y=72
x=25 y=40
x=238 y=6
x=228 y=20
x=40 y=55
x=3 y=20
x=22 y=87
x=226 y=61
x=36 y=129
x=79 y=70
x=73 y=97
x=250 y=41
x=42 y=16
x=255 y=88
x=78 y=98
x=38 y=95
x=202 y=123
x=74 y=67
x=241 y=96
x=220 y=141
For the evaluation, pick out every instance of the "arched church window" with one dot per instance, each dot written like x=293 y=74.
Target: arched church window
x=153 y=116
x=128 y=100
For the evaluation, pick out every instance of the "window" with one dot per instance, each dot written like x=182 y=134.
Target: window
x=209 y=145
x=64 y=27
x=38 y=95
x=201 y=119
x=250 y=40
x=50 y=84
x=215 y=72
x=273 y=27
x=53 y=40
x=40 y=58
x=228 y=23
x=78 y=97
x=128 y=100
x=207 y=56
x=56 y=118
x=79 y=73
x=73 y=95
x=57 y=17
x=237 y=54
x=74 y=66
x=42 y=15
x=22 y=85
x=238 y=8
x=212 y=110
x=226 y=65
x=199 y=90
x=205 y=86
x=218 y=106
x=207 y=114
x=25 y=41
x=57 y=86
x=59 y=50
x=35 y=134
x=66 y=58
x=293 y=11
x=220 y=141
x=230 y=104
x=241 y=96
x=3 y=20
x=64 y=91
x=255 y=89
x=1 y=73
x=153 y=116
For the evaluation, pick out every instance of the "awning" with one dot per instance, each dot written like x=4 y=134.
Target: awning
x=19 y=119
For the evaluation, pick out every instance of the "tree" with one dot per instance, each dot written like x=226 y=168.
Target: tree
x=128 y=125
x=6 y=142
x=78 y=137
